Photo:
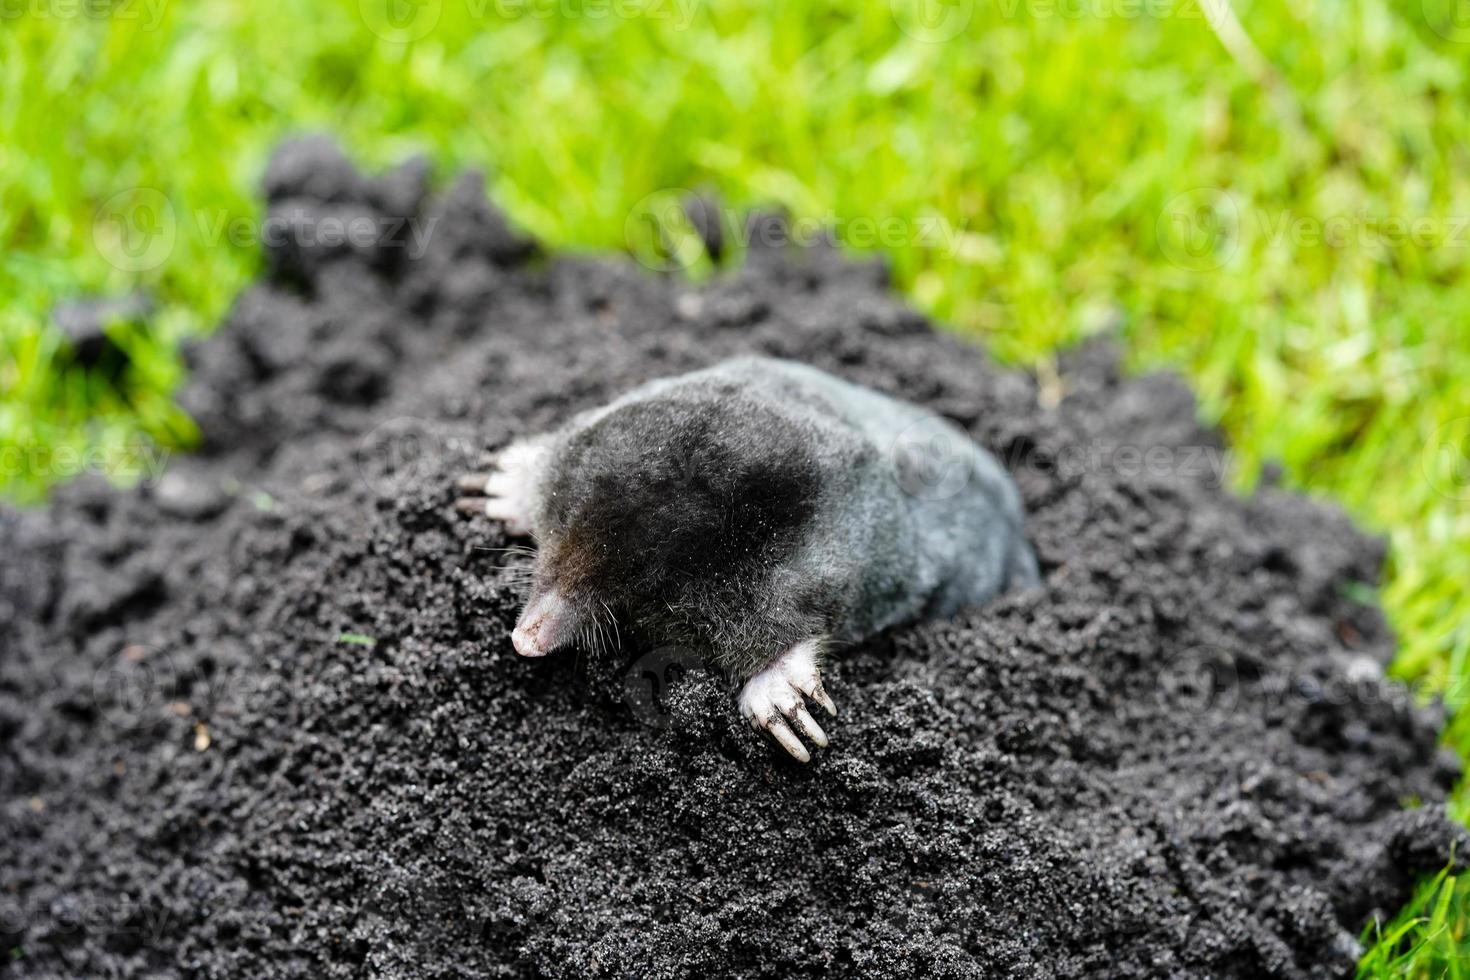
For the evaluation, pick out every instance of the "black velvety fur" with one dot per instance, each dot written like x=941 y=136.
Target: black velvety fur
x=677 y=514
x=660 y=492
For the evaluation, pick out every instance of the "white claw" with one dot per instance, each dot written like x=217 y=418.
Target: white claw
x=502 y=484
x=775 y=694
x=789 y=742
x=500 y=509
x=474 y=483
x=510 y=491
x=808 y=726
x=818 y=694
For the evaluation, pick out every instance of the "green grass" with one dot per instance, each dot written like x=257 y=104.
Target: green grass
x=1429 y=938
x=1298 y=247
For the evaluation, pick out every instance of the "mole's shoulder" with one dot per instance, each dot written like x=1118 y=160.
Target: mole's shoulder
x=759 y=368
x=799 y=387
x=755 y=402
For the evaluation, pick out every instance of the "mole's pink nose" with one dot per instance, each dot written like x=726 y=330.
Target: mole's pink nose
x=527 y=642
x=545 y=624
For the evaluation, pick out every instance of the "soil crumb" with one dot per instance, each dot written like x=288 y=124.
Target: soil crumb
x=262 y=718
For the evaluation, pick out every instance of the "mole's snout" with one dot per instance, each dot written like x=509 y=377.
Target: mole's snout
x=545 y=624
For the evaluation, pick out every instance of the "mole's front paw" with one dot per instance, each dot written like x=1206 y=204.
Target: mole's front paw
x=777 y=696
x=508 y=493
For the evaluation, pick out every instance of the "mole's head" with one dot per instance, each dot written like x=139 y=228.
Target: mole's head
x=668 y=518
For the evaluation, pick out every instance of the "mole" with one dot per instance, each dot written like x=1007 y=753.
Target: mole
x=761 y=512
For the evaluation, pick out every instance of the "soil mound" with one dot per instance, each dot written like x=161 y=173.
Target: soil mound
x=262 y=717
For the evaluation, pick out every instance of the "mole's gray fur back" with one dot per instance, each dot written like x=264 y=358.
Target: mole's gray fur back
x=925 y=522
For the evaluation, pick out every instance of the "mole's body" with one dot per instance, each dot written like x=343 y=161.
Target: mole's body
x=757 y=511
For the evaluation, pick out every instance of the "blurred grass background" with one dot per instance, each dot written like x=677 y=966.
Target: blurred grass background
x=1292 y=234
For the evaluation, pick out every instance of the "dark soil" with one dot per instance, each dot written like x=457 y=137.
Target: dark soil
x=263 y=718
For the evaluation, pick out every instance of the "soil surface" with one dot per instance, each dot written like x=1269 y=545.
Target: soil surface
x=262 y=717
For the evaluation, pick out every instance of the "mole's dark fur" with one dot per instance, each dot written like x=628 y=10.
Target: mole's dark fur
x=761 y=503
